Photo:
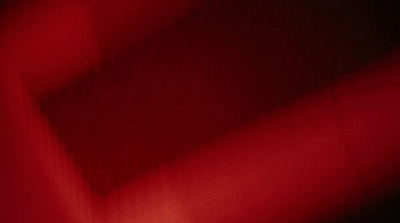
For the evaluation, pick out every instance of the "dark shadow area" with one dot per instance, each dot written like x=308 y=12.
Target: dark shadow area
x=383 y=210
x=208 y=74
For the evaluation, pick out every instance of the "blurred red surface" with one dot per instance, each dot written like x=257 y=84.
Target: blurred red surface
x=185 y=111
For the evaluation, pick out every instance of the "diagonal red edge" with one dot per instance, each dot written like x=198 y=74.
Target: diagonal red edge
x=325 y=153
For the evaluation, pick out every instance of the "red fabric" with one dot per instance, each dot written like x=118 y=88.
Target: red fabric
x=195 y=111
